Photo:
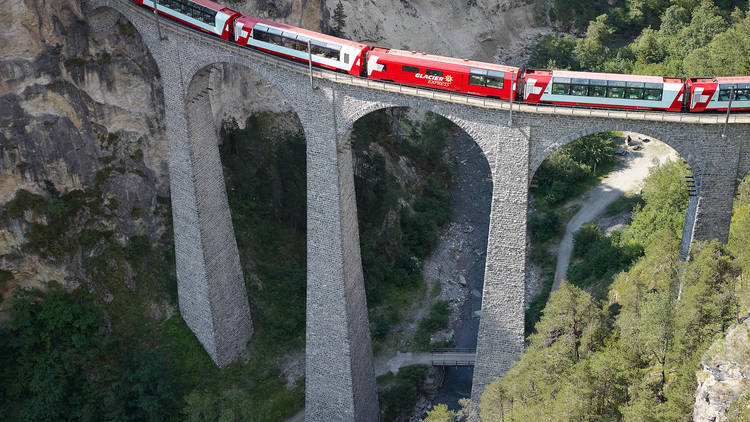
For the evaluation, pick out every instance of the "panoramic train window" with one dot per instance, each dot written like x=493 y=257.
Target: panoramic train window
x=741 y=92
x=653 y=92
x=301 y=44
x=488 y=78
x=274 y=36
x=193 y=10
x=288 y=42
x=495 y=79
x=434 y=72
x=296 y=42
x=477 y=77
x=634 y=90
x=261 y=35
x=411 y=69
x=579 y=87
x=598 y=88
x=615 y=89
x=561 y=86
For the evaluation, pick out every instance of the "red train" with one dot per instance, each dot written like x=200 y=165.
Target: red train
x=460 y=75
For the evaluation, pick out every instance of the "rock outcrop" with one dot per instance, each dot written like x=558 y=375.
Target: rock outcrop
x=724 y=380
x=79 y=109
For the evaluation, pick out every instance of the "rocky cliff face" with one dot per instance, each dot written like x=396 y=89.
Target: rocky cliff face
x=490 y=30
x=724 y=382
x=78 y=110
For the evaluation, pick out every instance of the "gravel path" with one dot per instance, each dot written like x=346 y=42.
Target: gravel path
x=627 y=177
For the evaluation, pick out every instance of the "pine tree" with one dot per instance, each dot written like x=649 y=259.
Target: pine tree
x=339 y=21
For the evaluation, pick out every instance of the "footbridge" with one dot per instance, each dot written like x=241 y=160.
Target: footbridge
x=340 y=379
x=453 y=357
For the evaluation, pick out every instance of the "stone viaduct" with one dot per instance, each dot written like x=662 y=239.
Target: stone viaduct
x=340 y=382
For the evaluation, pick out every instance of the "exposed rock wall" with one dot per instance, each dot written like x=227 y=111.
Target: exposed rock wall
x=725 y=376
x=490 y=30
x=80 y=108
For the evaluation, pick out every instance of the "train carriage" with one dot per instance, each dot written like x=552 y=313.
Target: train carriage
x=292 y=42
x=603 y=90
x=204 y=15
x=446 y=73
x=712 y=94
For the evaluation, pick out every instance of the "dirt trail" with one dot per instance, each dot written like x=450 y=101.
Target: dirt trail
x=627 y=177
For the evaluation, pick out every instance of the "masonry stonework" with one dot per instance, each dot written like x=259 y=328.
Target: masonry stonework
x=340 y=383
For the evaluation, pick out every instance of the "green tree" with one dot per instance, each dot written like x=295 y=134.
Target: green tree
x=59 y=363
x=570 y=330
x=552 y=52
x=440 y=414
x=666 y=196
x=646 y=12
x=593 y=49
x=739 y=239
x=339 y=20
x=594 y=150
x=726 y=55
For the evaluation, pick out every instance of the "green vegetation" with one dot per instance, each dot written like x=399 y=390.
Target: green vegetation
x=598 y=258
x=576 y=14
x=339 y=21
x=61 y=363
x=634 y=356
x=627 y=202
x=436 y=320
x=396 y=239
x=653 y=37
x=440 y=413
x=565 y=174
x=126 y=28
x=23 y=201
x=573 y=169
x=266 y=188
x=399 y=393
x=102 y=345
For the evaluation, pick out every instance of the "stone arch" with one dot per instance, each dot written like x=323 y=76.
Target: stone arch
x=192 y=69
x=100 y=18
x=203 y=131
x=364 y=108
x=663 y=134
x=485 y=145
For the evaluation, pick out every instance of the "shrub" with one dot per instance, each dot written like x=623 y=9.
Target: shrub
x=544 y=225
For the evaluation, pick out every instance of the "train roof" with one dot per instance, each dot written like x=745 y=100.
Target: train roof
x=412 y=57
x=248 y=20
x=721 y=80
x=214 y=6
x=604 y=76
